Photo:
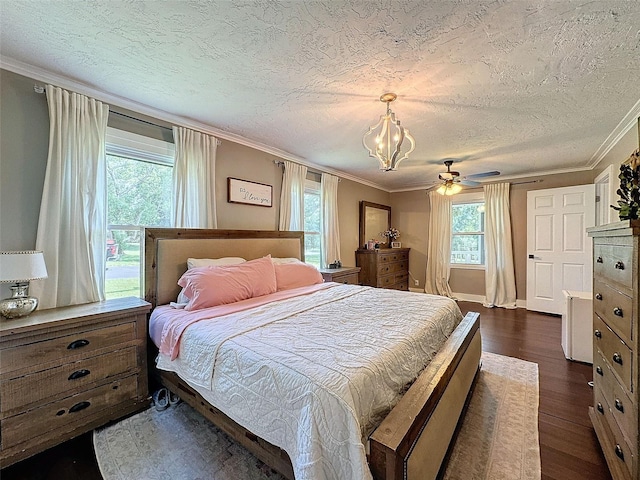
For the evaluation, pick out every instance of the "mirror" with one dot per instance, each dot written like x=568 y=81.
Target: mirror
x=374 y=219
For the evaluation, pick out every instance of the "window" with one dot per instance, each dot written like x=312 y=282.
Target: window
x=139 y=190
x=312 y=225
x=467 y=228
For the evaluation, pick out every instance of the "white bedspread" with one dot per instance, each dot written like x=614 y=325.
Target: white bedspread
x=316 y=374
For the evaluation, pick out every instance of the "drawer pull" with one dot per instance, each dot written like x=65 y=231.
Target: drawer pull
x=79 y=374
x=78 y=344
x=619 y=265
x=619 y=453
x=617 y=358
x=598 y=296
x=599 y=370
x=599 y=260
x=598 y=333
x=600 y=408
x=79 y=406
x=619 y=405
x=617 y=312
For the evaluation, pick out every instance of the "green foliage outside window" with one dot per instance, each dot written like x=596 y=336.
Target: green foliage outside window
x=138 y=195
x=137 y=192
x=312 y=227
x=467 y=226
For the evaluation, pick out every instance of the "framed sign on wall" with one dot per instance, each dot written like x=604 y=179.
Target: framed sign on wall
x=252 y=193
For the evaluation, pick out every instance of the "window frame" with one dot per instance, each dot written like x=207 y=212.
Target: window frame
x=465 y=199
x=124 y=144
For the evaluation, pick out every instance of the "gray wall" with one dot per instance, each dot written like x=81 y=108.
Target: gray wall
x=24 y=141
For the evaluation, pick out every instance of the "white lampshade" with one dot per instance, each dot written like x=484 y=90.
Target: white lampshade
x=22 y=266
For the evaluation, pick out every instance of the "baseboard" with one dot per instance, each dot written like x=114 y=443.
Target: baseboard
x=468 y=297
x=416 y=290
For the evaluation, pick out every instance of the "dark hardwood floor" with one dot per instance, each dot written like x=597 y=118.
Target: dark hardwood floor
x=568 y=446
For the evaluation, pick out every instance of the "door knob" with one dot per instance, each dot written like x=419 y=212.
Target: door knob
x=531 y=256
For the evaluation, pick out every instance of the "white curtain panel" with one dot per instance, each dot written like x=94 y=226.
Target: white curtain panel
x=72 y=223
x=330 y=235
x=500 y=280
x=292 y=197
x=439 y=247
x=194 y=183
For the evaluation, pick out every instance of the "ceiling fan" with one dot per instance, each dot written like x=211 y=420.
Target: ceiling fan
x=451 y=180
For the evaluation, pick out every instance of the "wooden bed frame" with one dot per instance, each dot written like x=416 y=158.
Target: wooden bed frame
x=411 y=442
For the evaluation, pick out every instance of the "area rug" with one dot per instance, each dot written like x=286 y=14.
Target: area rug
x=498 y=438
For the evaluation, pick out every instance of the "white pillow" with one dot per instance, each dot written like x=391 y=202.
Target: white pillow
x=282 y=261
x=205 y=262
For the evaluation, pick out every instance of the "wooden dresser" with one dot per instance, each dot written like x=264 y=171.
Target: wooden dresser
x=65 y=371
x=616 y=284
x=384 y=267
x=341 y=275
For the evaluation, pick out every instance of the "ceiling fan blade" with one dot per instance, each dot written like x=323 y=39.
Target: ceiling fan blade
x=484 y=174
x=469 y=183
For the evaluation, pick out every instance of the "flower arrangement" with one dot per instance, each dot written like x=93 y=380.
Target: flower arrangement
x=629 y=191
x=392 y=234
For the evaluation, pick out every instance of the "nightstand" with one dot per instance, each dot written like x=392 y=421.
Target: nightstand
x=65 y=371
x=341 y=275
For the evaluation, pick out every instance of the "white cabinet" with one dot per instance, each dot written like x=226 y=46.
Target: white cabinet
x=577 y=326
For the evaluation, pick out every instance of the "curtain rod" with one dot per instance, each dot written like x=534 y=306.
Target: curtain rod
x=40 y=89
x=141 y=120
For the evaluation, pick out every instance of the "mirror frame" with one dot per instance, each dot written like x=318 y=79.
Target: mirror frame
x=364 y=205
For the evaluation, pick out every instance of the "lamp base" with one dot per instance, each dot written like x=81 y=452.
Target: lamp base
x=19 y=304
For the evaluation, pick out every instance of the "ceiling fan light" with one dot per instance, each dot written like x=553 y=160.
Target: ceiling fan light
x=449 y=188
x=387 y=140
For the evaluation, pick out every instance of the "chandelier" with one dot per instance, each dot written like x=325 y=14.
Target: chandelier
x=387 y=140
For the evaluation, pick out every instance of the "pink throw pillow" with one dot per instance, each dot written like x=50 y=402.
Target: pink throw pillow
x=219 y=285
x=297 y=274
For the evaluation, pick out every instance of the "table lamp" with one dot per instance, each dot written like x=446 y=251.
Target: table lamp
x=20 y=268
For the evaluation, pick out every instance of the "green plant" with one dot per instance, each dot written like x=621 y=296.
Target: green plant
x=629 y=192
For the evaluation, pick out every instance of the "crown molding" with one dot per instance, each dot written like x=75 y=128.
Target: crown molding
x=42 y=75
x=629 y=121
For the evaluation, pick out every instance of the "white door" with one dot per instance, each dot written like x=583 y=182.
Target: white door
x=558 y=247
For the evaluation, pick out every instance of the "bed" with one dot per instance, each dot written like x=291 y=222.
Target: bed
x=408 y=442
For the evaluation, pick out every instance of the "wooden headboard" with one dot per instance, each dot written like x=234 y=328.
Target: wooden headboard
x=166 y=251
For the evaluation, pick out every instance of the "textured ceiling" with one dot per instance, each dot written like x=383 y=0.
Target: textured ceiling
x=516 y=86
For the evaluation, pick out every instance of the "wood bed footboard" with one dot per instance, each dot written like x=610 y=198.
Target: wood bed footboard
x=412 y=441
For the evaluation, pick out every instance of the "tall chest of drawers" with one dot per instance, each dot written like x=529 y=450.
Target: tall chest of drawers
x=65 y=371
x=384 y=267
x=616 y=285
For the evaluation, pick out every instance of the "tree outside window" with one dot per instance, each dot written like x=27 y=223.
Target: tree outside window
x=467 y=227
x=312 y=223
x=138 y=195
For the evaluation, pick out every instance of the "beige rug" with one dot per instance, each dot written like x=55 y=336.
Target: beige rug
x=498 y=438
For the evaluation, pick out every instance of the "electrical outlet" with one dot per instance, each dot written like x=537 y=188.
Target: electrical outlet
x=416 y=283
